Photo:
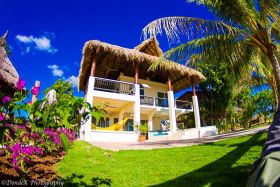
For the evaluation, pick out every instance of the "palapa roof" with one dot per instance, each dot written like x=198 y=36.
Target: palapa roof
x=8 y=74
x=112 y=60
x=150 y=47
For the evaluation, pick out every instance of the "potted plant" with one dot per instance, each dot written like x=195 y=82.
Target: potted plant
x=143 y=129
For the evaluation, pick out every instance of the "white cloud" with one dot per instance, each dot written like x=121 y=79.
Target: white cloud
x=42 y=43
x=73 y=79
x=56 y=71
x=24 y=39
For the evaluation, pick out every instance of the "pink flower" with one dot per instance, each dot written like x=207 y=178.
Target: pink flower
x=2 y=118
x=20 y=84
x=35 y=90
x=6 y=99
x=39 y=150
x=20 y=127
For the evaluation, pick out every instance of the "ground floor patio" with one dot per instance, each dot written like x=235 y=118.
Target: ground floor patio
x=132 y=136
x=156 y=144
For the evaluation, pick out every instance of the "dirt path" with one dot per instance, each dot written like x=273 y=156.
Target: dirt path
x=116 y=146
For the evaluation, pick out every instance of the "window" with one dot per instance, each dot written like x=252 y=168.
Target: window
x=103 y=122
x=162 y=99
x=162 y=95
x=143 y=121
x=116 y=120
x=142 y=92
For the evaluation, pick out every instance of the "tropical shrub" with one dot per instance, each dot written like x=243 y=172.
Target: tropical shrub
x=27 y=129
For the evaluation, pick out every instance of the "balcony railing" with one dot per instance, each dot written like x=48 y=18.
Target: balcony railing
x=146 y=100
x=114 y=86
x=153 y=101
x=183 y=104
x=163 y=102
x=127 y=88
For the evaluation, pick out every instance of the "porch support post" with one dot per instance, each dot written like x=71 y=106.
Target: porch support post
x=136 y=107
x=171 y=104
x=193 y=88
x=121 y=115
x=195 y=108
x=111 y=118
x=93 y=67
x=150 y=120
x=85 y=129
x=136 y=72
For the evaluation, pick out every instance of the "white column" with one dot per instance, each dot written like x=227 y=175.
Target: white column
x=136 y=107
x=172 y=116
x=150 y=121
x=196 y=112
x=89 y=99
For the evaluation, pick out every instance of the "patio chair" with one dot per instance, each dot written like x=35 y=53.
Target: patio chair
x=164 y=125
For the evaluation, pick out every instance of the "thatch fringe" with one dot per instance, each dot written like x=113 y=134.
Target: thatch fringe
x=8 y=74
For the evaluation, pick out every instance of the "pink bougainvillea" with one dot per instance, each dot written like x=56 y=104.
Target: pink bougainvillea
x=6 y=99
x=35 y=90
x=20 y=84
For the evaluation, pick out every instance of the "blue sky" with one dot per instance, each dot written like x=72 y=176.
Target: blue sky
x=46 y=36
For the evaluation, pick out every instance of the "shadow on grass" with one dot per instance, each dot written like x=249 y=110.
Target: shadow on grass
x=96 y=181
x=220 y=172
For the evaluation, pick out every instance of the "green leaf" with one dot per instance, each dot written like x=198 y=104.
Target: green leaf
x=65 y=142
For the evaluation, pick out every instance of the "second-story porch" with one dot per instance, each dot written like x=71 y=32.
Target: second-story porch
x=120 y=90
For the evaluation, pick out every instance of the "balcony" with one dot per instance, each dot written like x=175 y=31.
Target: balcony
x=183 y=104
x=108 y=85
x=163 y=102
x=127 y=88
x=146 y=100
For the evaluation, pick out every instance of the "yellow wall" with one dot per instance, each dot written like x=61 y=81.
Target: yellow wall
x=154 y=86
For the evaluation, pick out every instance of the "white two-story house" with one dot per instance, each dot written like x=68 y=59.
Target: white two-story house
x=120 y=79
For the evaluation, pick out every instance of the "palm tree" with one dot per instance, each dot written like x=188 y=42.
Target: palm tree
x=243 y=29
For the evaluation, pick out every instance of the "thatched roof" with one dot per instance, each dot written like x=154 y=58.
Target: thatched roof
x=111 y=60
x=150 y=47
x=8 y=74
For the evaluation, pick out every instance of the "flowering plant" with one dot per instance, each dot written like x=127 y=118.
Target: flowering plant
x=27 y=128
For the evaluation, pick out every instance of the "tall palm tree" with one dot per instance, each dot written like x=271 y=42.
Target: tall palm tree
x=243 y=30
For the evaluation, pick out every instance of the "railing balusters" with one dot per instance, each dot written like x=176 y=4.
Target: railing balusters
x=108 y=85
x=146 y=100
x=183 y=104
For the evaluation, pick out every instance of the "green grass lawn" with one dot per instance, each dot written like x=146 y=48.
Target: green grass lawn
x=224 y=163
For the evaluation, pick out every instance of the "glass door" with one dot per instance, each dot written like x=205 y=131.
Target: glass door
x=129 y=125
x=162 y=99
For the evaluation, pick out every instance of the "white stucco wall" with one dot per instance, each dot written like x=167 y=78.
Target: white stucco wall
x=114 y=136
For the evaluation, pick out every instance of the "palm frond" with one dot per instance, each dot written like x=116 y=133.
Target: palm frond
x=209 y=46
x=173 y=27
x=269 y=9
x=274 y=29
x=238 y=54
x=241 y=12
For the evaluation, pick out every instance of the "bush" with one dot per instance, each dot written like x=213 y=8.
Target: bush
x=38 y=128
